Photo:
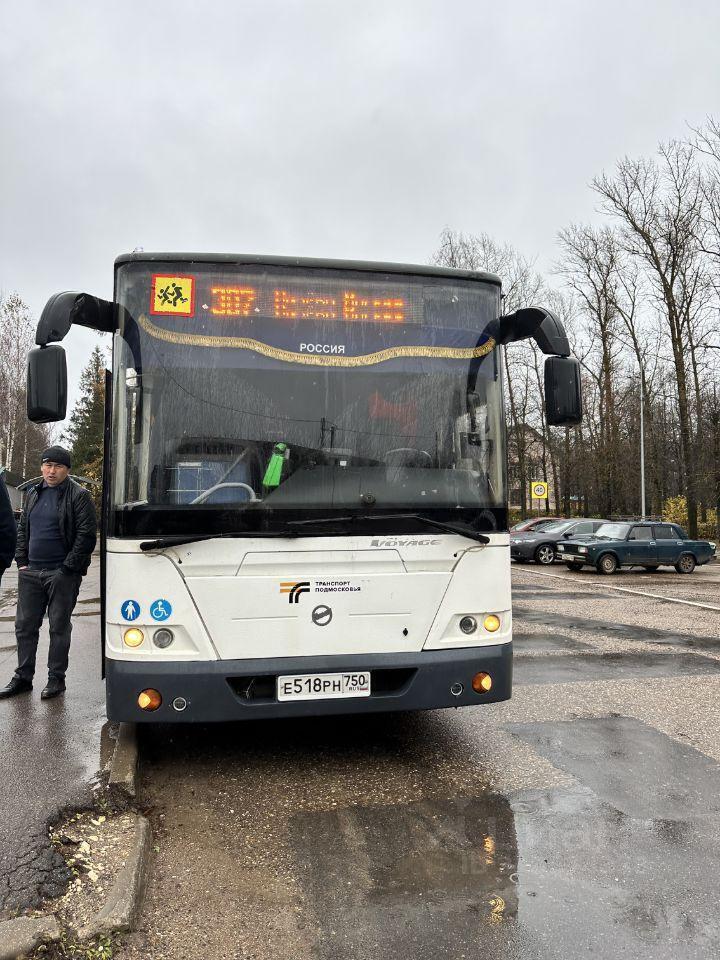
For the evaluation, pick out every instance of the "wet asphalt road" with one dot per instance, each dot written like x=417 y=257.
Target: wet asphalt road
x=579 y=818
x=49 y=751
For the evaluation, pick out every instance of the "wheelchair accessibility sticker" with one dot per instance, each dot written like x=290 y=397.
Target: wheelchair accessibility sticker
x=129 y=610
x=160 y=610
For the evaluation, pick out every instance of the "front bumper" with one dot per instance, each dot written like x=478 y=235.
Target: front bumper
x=245 y=689
x=570 y=554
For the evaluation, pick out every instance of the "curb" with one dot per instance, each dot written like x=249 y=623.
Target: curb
x=123 y=766
x=20 y=936
x=121 y=910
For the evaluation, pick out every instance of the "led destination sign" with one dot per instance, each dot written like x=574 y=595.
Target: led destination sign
x=288 y=304
x=323 y=300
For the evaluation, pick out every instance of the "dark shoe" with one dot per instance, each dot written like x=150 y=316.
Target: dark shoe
x=15 y=687
x=53 y=689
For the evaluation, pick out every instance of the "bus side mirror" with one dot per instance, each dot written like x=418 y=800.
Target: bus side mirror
x=563 y=394
x=46 y=384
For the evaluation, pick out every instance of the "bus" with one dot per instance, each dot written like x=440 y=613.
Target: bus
x=304 y=491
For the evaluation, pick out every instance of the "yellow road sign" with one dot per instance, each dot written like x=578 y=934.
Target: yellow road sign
x=539 y=490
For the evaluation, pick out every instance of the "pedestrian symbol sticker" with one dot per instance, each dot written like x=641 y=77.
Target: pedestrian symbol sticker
x=172 y=295
x=130 y=610
x=160 y=610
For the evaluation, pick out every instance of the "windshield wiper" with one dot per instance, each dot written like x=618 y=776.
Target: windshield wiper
x=165 y=542
x=447 y=527
x=290 y=530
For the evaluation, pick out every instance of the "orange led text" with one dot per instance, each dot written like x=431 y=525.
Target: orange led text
x=232 y=301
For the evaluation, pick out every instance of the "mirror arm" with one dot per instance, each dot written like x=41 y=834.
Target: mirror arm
x=542 y=325
x=72 y=307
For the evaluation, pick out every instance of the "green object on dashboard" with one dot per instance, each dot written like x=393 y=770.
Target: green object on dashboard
x=273 y=474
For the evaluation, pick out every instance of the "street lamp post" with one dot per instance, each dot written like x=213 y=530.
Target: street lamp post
x=642 y=450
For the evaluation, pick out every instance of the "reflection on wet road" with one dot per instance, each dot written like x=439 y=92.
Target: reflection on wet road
x=389 y=881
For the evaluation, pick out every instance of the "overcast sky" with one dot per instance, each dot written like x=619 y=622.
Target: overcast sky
x=337 y=129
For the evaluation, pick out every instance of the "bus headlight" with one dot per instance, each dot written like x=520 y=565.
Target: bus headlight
x=468 y=624
x=133 y=637
x=163 y=637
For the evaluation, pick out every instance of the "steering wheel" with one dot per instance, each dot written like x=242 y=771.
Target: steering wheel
x=413 y=450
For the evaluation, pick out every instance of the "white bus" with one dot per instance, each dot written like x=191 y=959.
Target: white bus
x=305 y=500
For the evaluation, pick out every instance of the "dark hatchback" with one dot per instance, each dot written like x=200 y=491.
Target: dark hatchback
x=540 y=545
x=649 y=545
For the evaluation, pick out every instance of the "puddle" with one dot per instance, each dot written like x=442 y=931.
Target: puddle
x=631 y=766
x=421 y=880
x=624 y=865
x=624 y=631
x=597 y=882
x=556 y=668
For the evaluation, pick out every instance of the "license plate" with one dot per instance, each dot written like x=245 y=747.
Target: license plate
x=323 y=686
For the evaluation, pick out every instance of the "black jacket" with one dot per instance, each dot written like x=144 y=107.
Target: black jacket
x=8 y=529
x=78 y=526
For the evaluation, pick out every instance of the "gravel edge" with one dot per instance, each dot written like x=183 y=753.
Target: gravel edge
x=119 y=913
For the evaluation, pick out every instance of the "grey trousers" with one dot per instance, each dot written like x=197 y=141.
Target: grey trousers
x=41 y=592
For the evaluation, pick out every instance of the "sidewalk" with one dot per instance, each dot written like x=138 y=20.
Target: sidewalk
x=49 y=751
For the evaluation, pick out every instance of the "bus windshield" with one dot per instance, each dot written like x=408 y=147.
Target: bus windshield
x=251 y=396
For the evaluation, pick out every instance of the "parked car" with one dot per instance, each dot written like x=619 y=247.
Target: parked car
x=532 y=523
x=540 y=545
x=649 y=545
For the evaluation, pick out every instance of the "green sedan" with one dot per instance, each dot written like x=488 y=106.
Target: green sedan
x=649 y=545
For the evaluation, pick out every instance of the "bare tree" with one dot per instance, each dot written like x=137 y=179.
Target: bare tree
x=15 y=341
x=589 y=267
x=707 y=143
x=19 y=439
x=658 y=207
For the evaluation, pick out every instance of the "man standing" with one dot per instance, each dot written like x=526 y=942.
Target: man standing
x=56 y=537
x=8 y=529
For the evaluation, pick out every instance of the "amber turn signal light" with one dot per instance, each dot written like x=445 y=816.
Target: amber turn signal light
x=482 y=682
x=149 y=700
x=491 y=623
